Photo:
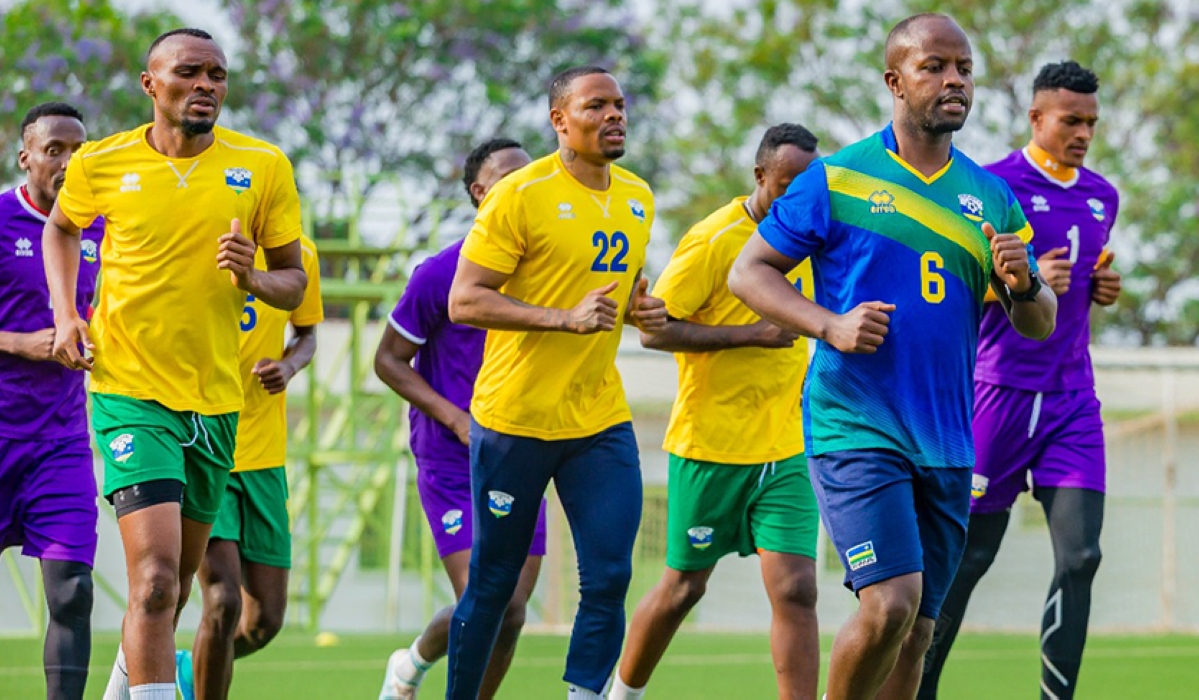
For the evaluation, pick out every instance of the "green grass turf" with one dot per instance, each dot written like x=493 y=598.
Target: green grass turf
x=698 y=665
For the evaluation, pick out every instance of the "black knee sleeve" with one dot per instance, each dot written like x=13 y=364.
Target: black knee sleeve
x=69 y=595
x=133 y=498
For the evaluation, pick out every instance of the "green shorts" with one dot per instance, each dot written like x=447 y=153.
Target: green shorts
x=145 y=441
x=254 y=515
x=714 y=509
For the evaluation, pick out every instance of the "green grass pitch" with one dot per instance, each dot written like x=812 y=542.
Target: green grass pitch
x=698 y=665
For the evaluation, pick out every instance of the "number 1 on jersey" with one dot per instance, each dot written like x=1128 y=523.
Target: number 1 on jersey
x=1075 y=236
x=932 y=283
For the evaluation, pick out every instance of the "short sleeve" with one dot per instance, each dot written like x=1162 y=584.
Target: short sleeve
x=311 y=310
x=1016 y=222
x=689 y=278
x=497 y=240
x=75 y=199
x=798 y=223
x=1111 y=223
x=423 y=306
x=278 y=220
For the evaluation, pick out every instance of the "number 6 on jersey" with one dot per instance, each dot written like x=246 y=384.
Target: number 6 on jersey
x=932 y=283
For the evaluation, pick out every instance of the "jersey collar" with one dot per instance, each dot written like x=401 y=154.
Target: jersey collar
x=1061 y=175
x=892 y=146
x=27 y=202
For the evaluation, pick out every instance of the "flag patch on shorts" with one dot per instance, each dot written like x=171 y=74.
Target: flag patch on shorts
x=452 y=521
x=978 y=486
x=500 y=503
x=122 y=448
x=701 y=537
x=861 y=555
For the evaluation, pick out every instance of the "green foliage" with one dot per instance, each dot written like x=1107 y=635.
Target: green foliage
x=87 y=53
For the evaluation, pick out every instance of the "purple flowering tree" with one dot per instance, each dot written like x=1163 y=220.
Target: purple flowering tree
x=89 y=54
x=376 y=89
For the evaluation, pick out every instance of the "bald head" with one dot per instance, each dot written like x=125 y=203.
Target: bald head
x=916 y=31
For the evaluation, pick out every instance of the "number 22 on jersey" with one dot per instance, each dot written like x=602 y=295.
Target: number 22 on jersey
x=617 y=244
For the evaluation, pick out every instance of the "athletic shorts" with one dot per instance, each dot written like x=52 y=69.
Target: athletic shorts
x=254 y=515
x=888 y=517
x=48 y=499
x=145 y=441
x=1057 y=437
x=715 y=509
x=445 y=496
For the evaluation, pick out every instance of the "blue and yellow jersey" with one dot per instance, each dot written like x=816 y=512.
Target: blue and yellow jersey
x=876 y=229
x=558 y=240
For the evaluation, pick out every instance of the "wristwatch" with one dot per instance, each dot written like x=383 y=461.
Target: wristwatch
x=1029 y=294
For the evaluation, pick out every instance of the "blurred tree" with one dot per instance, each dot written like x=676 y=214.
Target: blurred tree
x=376 y=88
x=85 y=52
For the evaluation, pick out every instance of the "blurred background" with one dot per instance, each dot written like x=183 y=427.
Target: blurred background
x=377 y=104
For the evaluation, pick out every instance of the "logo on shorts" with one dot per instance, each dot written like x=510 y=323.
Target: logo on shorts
x=89 y=251
x=122 y=448
x=861 y=555
x=452 y=521
x=701 y=537
x=978 y=486
x=500 y=503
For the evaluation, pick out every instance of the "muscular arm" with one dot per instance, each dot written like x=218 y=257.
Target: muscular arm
x=37 y=346
x=475 y=300
x=282 y=284
x=1035 y=319
x=393 y=364
x=60 y=252
x=759 y=279
x=300 y=349
x=685 y=336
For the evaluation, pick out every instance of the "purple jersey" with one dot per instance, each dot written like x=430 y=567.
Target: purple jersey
x=41 y=400
x=1078 y=216
x=449 y=358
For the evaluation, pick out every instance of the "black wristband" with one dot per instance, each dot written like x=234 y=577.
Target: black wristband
x=1029 y=294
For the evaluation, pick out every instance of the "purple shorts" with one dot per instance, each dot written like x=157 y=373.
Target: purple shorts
x=445 y=495
x=48 y=499
x=1056 y=436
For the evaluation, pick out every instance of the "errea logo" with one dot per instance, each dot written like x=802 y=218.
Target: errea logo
x=24 y=248
x=566 y=210
x=1039 y=203
x=882 y=202
x=131 y=182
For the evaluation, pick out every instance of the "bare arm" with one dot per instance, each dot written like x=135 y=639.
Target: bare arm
x=393 y=364
x=759 y=279
x=281 y=285
x=61 y=250
x=475 y=300
x=1033 y=319
x=275 y=375
x=685 y=336
x=37 y=346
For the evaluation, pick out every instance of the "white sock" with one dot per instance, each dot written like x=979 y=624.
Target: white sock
x=118 y=681
x=574 y=692
x=412 y=668
x=621 y=691
x=153 y=691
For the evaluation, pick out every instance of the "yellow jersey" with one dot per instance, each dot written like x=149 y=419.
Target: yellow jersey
x=741 y=405
x=262 y=426
x=166 y=320
x=559 y=240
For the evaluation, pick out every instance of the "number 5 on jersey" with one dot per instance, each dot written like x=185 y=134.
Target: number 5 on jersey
x=249 y=315
x=619 y=243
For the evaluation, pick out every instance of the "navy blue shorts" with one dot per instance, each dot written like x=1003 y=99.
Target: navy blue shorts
x=888 y=517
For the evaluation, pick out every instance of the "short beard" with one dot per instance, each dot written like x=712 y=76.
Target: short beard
x=197 y=127
x=615 y=153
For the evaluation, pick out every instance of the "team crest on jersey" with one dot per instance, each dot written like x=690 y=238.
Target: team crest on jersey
x=972 y=207
x=90 y=252
x=238 y=179
x=861 y=555
x=1097 y=209
x=882 y=202
x=121 y=447
x=452 y=521
x=701 y=537
x=978 y=486
x=500 y=503
x=638 y=210
x=1039 y=203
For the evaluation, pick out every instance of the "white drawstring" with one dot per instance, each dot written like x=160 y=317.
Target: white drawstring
x=768 y=466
